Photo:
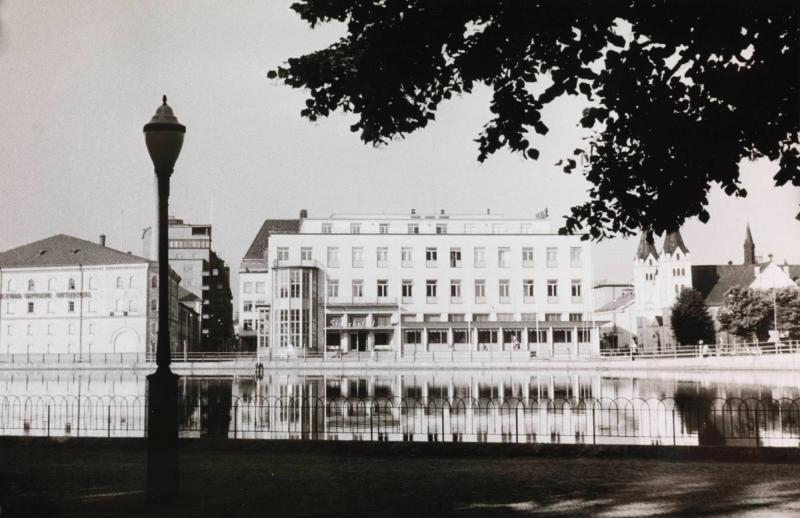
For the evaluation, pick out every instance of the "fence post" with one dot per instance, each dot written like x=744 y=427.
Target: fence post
x=674 y=439
x=48 y=420
x=370 y=425
x=235 y=413
x=108 y=421
x=758 y=439
x=516 y=424
x=594 y=431
x=442 y=423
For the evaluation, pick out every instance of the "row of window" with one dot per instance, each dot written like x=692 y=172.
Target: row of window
x=49 y=329
x=385 y=320
x=71 y=285
x=440 y=228
x=260 y=287
x=91 y=306
x=432 y=256
x=432 y=288
x=492 y=336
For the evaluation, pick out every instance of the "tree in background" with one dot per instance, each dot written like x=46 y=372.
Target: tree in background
x=678 y=92
x=788 y=302
x=690 y=319
x=745 y=313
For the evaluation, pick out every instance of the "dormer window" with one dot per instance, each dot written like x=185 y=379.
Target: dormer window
x=678 y=257
x=650 y=262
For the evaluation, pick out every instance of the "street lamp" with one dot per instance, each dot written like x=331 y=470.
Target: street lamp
x=163 y=136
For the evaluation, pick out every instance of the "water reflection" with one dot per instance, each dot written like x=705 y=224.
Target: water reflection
x=470 y=406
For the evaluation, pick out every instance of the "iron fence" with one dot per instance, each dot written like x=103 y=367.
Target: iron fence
x=669 y=421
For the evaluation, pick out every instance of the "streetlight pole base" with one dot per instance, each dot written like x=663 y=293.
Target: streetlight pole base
x=162 y=435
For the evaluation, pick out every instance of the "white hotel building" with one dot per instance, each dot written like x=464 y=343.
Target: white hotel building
x=406 y=283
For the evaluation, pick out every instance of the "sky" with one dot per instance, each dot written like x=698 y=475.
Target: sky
x=80 y=79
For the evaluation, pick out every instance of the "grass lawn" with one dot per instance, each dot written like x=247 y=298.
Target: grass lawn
x=87 y=479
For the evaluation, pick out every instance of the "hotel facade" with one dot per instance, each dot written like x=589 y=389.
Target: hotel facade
x=416 y=283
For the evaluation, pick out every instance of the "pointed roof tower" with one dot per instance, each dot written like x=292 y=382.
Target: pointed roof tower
x=749 y=247
x=646 y=247
x=674 y=242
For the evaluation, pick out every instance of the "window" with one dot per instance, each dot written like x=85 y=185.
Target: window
x=537 y=336
x=358 y=289
x=248 y=287
x=487 y=336
x=247 y=306
x=154 y=282
x=70 y=329
x=503 y=257
x=576 y=317
x=437 y=336
x=552 y=291
x=119 y=281
x=406 y=257
x=382 y=256
x=562 y=336
x=575 y=257
x=441 y=228
x=480 y=291
x=132 y=306
x=333 y=257
x=383 y=288
x=31 y=285
x=584 y=335
x=50 y=308
x=480 y=257
x=50 y=329
x=412 y=336
x=577 y=296
x=430 y=290
x=358 y=257
x=92 y=328
x=93 y=283
x=51 y=284
x=10 y=330
x=187 y=267
x=498 y=228
x=455 y=291
x=260 y=287
x=455 y=258
x=552 y=257
x=154 y=305
x=30 y=330
x=305 y=253
x=294 y=283
x=132 y=282
x=431 y=257
x=408 y=291
x=505 y=317
x=283 y=253
x=92 y=306
x=480 y=317
x=11 y=285
x=455 y=317
x=118 y=306
x=383 y=228
x=333 y=288
x=527 y=257
x=552 y=317
x=355 y=228
x=30 y=307
x=525 y=228
x=10 y=308
x=432 y=317
x=527 y=290
x=413 y=228
x=505 y=291
x=326 y=228
x=469 y=228
x=528 y=317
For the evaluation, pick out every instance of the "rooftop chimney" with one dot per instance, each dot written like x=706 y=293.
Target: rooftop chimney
x=102 y=240
x=413 y=211
x=303 y=213
x=442 y=212
x=488 y=211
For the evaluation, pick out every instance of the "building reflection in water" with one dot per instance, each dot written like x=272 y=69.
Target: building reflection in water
x=468 y=406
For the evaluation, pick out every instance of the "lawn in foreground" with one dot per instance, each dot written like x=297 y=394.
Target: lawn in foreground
x=93 y=479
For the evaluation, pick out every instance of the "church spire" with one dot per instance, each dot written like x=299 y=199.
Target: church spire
x=674 y=241
x=749 y=247
x=646 y=247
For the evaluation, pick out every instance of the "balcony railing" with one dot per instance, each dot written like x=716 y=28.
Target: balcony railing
x=361 y=301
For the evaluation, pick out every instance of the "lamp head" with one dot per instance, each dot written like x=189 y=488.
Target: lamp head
x=163 y=136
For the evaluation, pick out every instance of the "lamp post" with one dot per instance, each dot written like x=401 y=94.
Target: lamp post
x=164 y=137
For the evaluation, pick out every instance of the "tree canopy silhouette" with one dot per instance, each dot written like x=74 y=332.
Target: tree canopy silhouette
x=678 y=92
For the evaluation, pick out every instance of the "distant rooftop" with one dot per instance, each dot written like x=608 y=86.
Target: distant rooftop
x=64 y=250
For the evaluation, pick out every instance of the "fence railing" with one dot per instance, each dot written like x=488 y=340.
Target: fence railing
x=708 y=350
x=119 y=358
x=670 y=421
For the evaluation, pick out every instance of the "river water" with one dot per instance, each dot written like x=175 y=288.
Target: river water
x=735 y=408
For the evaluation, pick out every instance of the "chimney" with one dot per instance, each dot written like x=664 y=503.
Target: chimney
x=102 y=240
x=303 y=213
x=488 y=211
x=413 y=211
x=442 y=212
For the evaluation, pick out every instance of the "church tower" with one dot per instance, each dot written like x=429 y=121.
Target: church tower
x=749 y=248
x=645 y=277
x=676 y=268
